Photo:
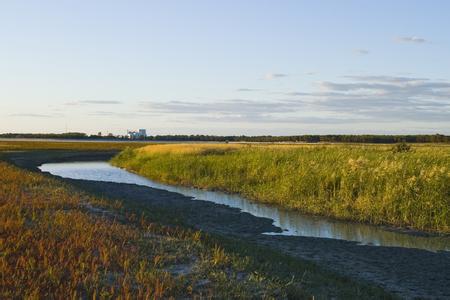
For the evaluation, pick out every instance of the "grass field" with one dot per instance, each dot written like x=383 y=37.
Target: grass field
x=366 y=183
x=57 y=241
x=14 y=145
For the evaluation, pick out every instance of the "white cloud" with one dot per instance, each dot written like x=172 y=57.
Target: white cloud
x=411 y=39
x=386 y=79
x=357 y=99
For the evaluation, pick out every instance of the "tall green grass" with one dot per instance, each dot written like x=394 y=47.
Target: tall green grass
x=368 y=183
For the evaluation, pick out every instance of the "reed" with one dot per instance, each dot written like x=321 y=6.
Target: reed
x=377 y=184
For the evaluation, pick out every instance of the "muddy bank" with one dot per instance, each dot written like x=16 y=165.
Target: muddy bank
x=30 y=160
x=408 y=273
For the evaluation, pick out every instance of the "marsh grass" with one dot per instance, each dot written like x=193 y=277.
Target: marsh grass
x=364 y=183
x=57 y=242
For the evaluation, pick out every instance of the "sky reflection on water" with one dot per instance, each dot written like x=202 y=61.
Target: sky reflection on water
x=292 y=222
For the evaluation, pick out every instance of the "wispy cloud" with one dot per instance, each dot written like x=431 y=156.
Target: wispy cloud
x=35 y=115
x=297 y=94
x=125 y=115
x=96 y=102
x=385 y=79
x=411 y=39
x=356 y=99
x=270 y=76
x=247 y=90
x=361 y=51
x=229 y=106
x=248 y=111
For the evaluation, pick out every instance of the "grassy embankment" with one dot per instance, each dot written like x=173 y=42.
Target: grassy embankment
x=366 y=183
x=57 y=241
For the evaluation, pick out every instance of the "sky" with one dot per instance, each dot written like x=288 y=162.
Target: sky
x=251 y=67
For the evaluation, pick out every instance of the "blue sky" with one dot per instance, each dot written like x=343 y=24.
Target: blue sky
x=225 y=67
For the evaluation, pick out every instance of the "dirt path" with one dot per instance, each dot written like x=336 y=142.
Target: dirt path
x=409 y=273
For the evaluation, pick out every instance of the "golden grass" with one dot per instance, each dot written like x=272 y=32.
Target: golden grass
x=365 y=182
x=211 y=148
x=190 y=148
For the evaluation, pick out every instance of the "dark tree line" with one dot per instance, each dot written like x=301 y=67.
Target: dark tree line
x=68 y=135
x=335 y=138
x=379 y=139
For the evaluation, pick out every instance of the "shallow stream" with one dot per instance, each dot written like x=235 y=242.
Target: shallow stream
x=292 y=222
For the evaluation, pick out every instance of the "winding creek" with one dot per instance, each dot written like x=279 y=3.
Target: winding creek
x=291 y=222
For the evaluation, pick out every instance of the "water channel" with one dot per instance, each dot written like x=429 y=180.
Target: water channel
x=292 y=222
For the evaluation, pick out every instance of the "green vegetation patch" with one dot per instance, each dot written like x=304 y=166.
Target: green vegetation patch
x=400 y=186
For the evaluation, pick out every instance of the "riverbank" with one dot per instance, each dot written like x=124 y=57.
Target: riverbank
x=258 y=270
x=405 y=188
x=71 y=244
x=393 y=269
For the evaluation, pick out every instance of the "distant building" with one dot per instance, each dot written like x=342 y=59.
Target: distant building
x=143 y=132
x=137 y=135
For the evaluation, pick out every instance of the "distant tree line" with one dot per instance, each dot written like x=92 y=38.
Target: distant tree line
x=68 y=135
x=335 y=138
x=379 y=139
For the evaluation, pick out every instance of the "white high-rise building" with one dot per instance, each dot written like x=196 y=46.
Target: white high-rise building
x=133 y=135
x=143 y=132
